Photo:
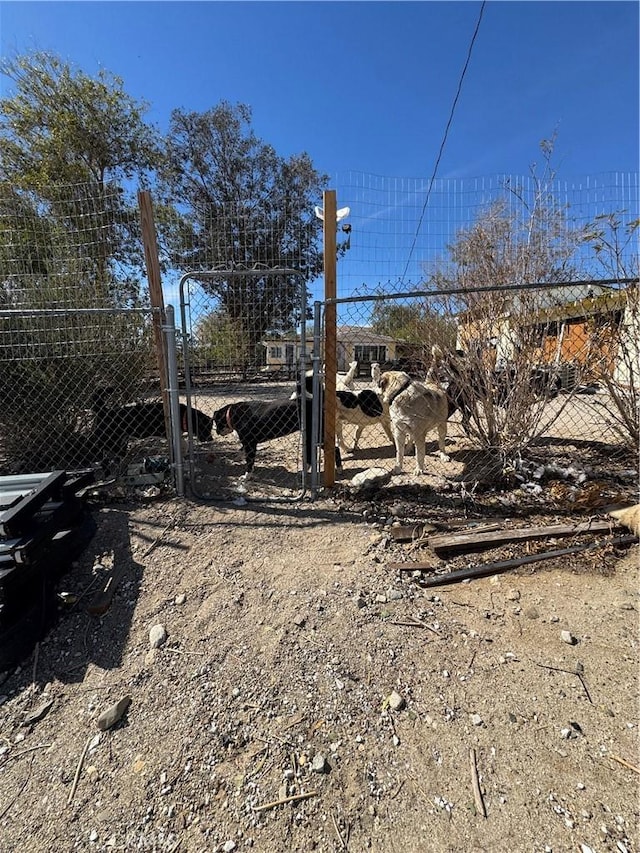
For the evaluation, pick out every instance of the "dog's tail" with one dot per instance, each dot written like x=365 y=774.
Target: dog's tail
x=346 y=381
x=437 y=356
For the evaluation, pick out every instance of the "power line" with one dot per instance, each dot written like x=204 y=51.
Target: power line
x=444 y=138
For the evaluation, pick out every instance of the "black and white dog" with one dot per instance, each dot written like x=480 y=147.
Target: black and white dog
x=257 y=422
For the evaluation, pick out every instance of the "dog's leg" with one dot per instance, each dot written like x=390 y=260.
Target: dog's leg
x=250 y=456
x=420 y=440
x=356 y=440
x=442 y=442
x=398 y=439
x=386 y=425
x=340 y=442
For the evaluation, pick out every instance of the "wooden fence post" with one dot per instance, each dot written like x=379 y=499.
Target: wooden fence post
x=152 y=264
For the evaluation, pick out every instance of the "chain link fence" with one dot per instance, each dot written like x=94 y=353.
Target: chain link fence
x=538 y=382
x=252 y=390
x=79 y=377
x=543 y=374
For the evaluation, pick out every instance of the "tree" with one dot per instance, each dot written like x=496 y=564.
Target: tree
x=69 y=239
x=419 y=323
x=522 y=239
x=243 y=207
x=68 y=145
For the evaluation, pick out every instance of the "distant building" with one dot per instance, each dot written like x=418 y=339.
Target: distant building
x=354 y=343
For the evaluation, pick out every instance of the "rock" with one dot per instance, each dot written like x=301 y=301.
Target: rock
x=180 y=599
x=395 y=701
x=319 y=764
x=532 y=613
x=229 y=846
x=114 y=714
x=369 y=479
x=476 y=719
x=567 y=637
x=157 y=636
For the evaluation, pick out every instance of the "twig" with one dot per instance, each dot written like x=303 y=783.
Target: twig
x=89 y=586
x=36 y=655
x=181 y=651
x=78 y=771
x=292 y=799
x=477 y=793
x=584 y=687
x=22 y=787
x=398 y=789
x=29 y=749
x=157 y=541
x=407 y=623
x=568 y=672
x=338 y=833
x=625 y=763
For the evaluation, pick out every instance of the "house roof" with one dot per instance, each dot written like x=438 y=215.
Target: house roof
x=345 y=335
x=362 y=335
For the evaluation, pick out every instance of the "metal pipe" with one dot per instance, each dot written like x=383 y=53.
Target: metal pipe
x=169 y=330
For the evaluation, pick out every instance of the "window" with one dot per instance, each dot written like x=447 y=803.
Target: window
x=275 y=352
x=370 y=353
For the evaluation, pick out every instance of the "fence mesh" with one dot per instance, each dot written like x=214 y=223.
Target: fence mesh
x=75 y=334
x=540 y=379
x=418 y=266
x=533 y=385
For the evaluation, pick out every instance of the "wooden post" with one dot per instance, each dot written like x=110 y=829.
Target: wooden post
x=330 y=345
x=155 y=293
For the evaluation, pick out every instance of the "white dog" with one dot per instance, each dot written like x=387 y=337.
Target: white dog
x=415 y=408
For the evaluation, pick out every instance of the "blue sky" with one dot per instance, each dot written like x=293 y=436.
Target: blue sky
x=369 y=86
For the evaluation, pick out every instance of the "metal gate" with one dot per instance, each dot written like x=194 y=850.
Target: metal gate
x=224 y=362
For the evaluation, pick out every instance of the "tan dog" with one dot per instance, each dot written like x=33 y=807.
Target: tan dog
x=415 y=409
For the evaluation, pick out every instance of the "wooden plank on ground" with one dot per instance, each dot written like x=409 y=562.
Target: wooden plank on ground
x=461 y=542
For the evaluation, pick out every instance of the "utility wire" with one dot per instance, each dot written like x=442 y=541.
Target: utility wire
x=444 y=139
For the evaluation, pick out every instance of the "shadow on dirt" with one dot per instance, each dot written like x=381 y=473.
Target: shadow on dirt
x=96 y=597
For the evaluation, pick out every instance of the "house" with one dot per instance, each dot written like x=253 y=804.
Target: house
x=354 y=343
x=586 y=329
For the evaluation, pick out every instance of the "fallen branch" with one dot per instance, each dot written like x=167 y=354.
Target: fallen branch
x=72 y=792
x=292 y=799
x=158 y=540
x=475 y=781
x=507 y=565
x=338 y=833
x=625 y=763
x=28 y=750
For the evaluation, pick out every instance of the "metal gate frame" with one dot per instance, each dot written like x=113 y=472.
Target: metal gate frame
x=184 y=304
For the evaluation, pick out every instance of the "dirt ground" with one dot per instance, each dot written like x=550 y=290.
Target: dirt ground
x=298 y=668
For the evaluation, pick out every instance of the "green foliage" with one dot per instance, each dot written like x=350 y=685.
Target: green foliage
x=69 y=239
x=68 y=145
x=416 y=323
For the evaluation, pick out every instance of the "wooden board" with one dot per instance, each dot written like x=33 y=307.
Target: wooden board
x=461 y=542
